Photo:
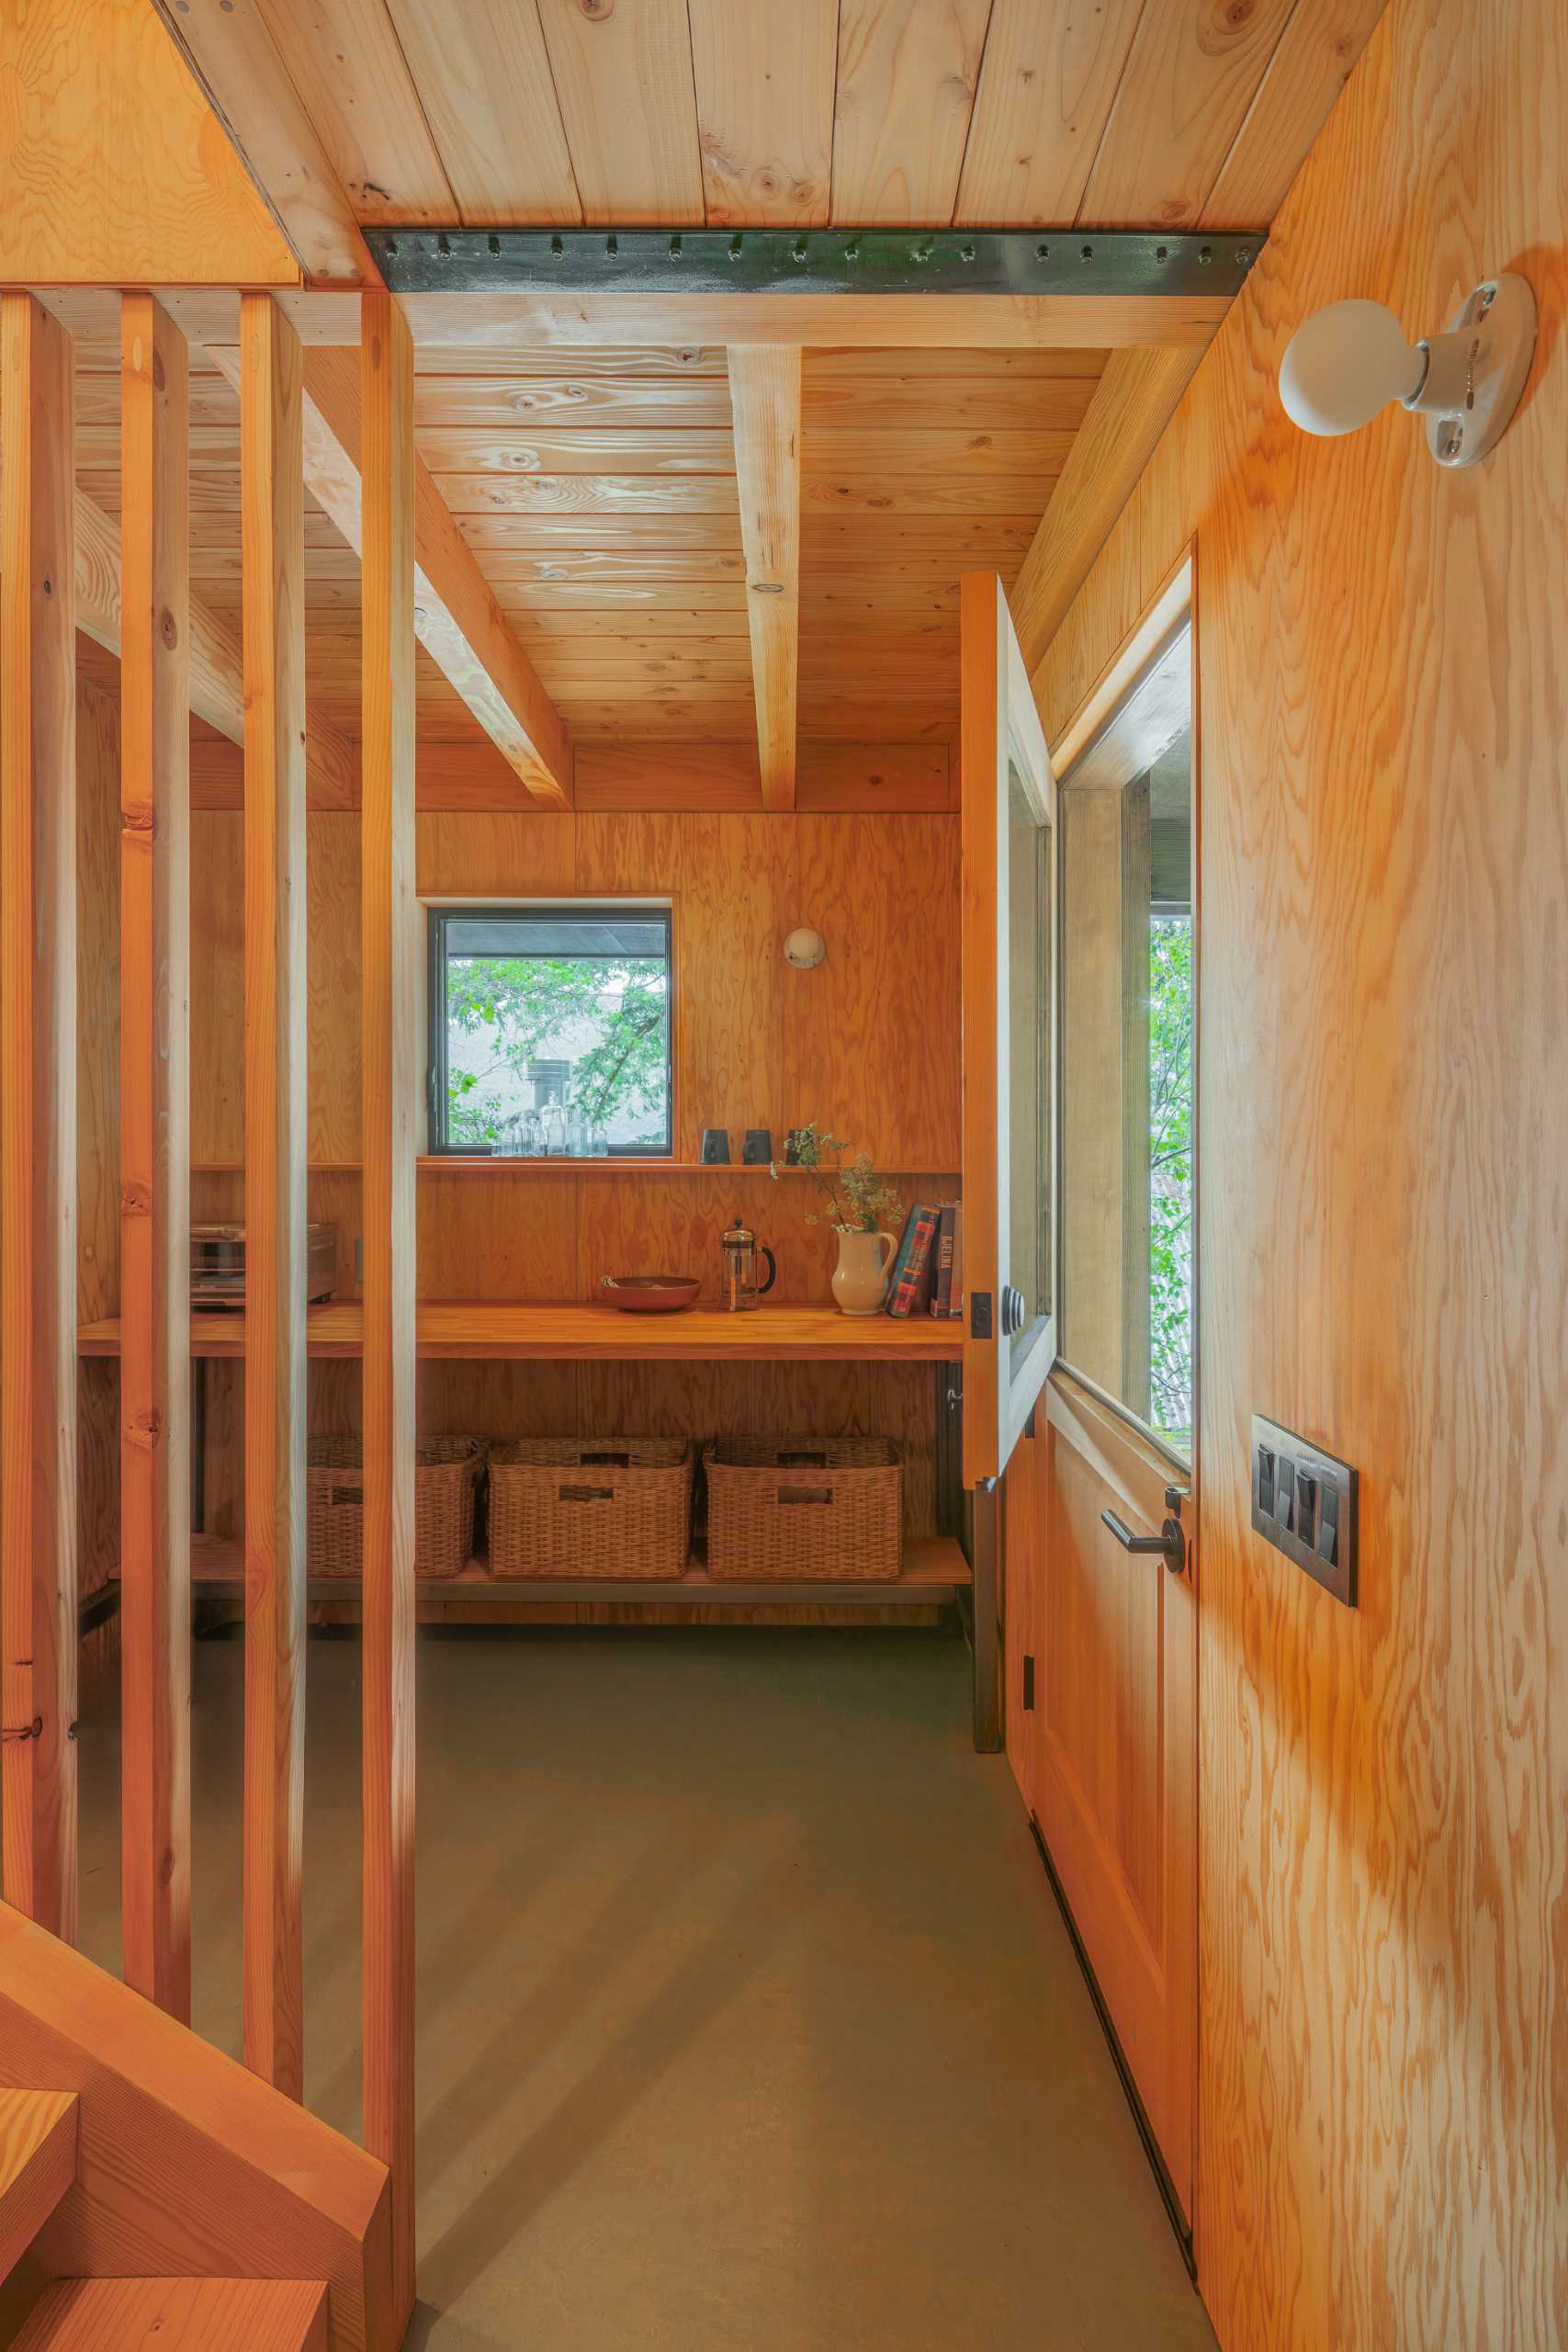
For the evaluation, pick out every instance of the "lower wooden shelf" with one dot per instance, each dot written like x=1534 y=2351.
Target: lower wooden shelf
x=934 y=1573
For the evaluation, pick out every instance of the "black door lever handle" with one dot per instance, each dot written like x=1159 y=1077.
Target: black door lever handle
x=1170 y=1542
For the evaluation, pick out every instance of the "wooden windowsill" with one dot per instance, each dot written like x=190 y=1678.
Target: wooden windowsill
x=581 y=1332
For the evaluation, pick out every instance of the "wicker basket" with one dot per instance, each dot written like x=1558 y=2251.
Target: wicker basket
x=614 y=1507
x=812 y=1510
x=447 y=1477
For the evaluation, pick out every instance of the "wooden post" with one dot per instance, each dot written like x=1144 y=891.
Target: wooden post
x=154 y=1156
x=391 y=1058
x=272 y=505
x=38 y=1113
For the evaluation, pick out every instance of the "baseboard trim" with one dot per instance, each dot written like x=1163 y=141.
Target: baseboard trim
x=1179 y=2221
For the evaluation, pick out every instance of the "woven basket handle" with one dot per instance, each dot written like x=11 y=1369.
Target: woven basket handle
x=806 y=1494
x=586 y=1494
x=812 y=1456
x=610 y=1461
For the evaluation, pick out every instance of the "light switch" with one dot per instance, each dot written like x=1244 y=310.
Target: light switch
x=1303 y=1503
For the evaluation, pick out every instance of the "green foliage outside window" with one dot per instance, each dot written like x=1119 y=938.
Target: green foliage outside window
x=523 y=1004
x=1172 y=1334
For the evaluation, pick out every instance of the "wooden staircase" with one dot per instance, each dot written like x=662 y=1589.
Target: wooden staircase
x=159 y=2197
x=38 y=2168
x=178 y=2316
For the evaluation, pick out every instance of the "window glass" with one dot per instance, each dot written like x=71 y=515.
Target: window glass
x=1028 y=1074
x=550 y=1030
x=1128 y=1029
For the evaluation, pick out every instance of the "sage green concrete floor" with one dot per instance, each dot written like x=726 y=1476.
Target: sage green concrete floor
x=748 y=2022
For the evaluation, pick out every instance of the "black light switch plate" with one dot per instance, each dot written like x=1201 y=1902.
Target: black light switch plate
x=1304 y=1503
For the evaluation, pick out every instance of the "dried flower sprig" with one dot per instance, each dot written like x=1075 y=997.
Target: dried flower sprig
x=858 y=1199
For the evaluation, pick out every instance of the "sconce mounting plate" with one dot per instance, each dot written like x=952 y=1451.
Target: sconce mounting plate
x=1497 y=321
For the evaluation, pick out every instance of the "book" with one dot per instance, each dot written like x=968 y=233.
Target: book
x=900 y=1256
x=941 y=1286
x=903 y=1291
x=956 y=1302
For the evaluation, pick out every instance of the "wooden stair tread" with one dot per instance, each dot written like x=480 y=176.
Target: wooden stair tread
x=178 y=2316
x=37 y=2165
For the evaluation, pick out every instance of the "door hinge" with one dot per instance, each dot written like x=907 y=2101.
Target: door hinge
x=1028 y=1684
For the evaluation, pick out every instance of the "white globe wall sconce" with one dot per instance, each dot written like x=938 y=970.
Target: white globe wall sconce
x=1351 y=359
x=804 y=949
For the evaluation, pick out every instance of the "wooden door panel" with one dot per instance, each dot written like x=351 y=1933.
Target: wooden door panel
x=1112 y=1776
x=1023 y=1502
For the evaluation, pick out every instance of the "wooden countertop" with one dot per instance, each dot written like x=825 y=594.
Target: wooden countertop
x=579 y=1332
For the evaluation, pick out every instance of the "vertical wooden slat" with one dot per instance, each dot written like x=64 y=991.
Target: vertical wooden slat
x=272 y=504
x=154 y=1155
x=391 y=1057
x=38 y=1113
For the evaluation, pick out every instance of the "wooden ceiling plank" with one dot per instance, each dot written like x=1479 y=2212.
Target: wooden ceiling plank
x=482 y=74
x=934 y=452
x=914 y=495
x=347 y=62
x=518 y=493
x=908 y=74
x=526 y=446
x=1047 y=85
x=1136 y=400
x=1308 y=70
x=1191 y=74
x=459 y=623
x=568 y=402
x=623 y=81
x=764 y=87
x=911 y=402
x=231 y=53
x=764 y=385
x=902 y=323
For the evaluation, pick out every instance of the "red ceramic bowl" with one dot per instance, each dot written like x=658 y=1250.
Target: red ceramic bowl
x=651 y=1294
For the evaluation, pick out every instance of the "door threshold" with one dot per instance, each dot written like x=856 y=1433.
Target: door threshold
x=1179 y=2220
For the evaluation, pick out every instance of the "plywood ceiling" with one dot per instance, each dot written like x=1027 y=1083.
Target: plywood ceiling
x=491 y=113
x=597 y=486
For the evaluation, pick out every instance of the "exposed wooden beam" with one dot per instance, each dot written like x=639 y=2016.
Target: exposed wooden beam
x=389 y=950
x=216 y=664
x=456 y=618
x=1133 y=402
x=272 y=509
x=864 y=321
x=154 y=1157
x=231 y=53
x=765 y=394
x=38 y=1116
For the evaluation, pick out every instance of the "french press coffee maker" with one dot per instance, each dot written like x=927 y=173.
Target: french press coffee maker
x=741 y=1250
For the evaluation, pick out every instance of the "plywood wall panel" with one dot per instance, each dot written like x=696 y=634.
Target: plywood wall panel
x=873 y=1029
x=1384 y=866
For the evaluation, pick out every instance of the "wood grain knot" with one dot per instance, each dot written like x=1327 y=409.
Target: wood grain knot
x=139 y=820
x=168 y=629
x=145 y=1428
x=136 y=1200
x=158 y=376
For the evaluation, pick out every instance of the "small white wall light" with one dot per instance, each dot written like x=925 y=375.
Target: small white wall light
x=1351 y=359
x=804 y=949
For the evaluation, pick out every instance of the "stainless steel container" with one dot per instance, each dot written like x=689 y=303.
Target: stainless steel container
x=217 y=1264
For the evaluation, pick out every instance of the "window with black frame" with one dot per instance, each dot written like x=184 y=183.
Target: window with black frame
x=549 y=1031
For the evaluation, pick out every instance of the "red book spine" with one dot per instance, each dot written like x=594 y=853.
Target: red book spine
x=907 y=1290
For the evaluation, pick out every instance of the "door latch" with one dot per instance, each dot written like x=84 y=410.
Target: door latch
x=1170 y=1542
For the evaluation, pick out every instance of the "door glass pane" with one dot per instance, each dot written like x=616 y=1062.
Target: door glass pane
x=1128 y=1026
x=1029 y=916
